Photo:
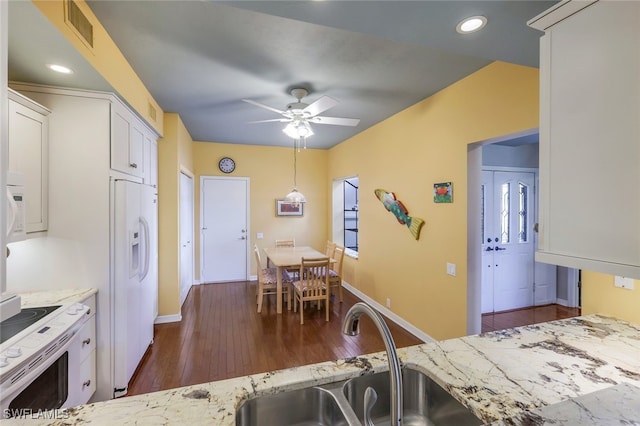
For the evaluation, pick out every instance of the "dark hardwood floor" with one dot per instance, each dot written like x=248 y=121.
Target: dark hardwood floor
x=222 y=336
x=526 y=316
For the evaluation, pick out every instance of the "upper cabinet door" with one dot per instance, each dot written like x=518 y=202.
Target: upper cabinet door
x=127 y=141
x=590 y=137
x=28 y=155
x=150 y=157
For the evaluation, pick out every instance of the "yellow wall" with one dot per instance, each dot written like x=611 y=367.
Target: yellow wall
x=599 y=296
x=270 y=170
x=174 y=155
x=106 y=58
x=407 y=154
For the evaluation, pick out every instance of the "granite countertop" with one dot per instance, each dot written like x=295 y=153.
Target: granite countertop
x=55 y=297
x=501 y=376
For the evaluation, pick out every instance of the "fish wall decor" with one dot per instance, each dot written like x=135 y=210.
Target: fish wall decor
x=395 y=206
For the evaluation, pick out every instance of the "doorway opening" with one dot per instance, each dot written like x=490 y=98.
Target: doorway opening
x=501 y=238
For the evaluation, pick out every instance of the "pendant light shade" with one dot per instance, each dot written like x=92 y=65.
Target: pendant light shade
x=295 y=197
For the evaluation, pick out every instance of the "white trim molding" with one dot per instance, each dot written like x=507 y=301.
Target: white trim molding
x=163 y=319
x=387 y=313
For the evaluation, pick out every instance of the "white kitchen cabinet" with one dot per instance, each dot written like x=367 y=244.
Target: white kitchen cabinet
x=150 y=161
x=29 y=156
x=127 y=145
x=590 y=136
x=84 y=128
x=82 y=377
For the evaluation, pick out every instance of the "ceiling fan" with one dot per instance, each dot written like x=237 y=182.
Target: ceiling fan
x=299 y=114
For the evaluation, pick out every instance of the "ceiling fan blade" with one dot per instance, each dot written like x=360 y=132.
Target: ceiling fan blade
x=339 y=121
x=282 y=120
x=258 y=104
x=321 y=105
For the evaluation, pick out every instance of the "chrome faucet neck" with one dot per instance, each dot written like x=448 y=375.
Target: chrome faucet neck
x=351 y=327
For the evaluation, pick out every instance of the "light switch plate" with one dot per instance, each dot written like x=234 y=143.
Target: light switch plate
x=260 y=235
x=623 y=282
x=451 y=269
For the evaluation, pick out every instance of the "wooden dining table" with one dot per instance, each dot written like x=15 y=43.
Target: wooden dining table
x=285 y=258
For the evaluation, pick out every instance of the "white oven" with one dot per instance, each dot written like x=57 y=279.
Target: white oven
x=43 y=367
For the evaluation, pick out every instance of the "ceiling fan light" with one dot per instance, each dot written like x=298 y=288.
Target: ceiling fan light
x=298 y=130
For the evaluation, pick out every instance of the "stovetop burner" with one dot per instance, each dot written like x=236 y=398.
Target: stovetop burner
x=27 y=316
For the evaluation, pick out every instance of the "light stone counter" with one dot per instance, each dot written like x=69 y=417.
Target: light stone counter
x=55 y=297
x=500 y=376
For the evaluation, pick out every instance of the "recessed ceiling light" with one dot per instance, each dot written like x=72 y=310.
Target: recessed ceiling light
x=60 y=68
x=471 y=24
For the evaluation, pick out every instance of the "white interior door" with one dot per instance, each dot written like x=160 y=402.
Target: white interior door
x=507 y=240
x=225 y=234
x=186 y=235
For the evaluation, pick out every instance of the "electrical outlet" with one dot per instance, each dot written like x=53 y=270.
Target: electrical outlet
x=623 y=282
x=388 y=303
x=451 y=269
x=260 y=235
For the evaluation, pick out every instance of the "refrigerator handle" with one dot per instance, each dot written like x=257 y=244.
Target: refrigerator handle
x=145 y=226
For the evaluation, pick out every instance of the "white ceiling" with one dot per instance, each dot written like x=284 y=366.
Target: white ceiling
x=201 y=58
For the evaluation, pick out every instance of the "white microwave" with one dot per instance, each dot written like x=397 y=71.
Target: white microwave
x=16 y=212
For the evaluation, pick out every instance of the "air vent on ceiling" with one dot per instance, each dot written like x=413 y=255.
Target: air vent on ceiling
x=77 y=20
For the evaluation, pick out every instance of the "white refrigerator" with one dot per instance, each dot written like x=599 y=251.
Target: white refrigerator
x=135 y=280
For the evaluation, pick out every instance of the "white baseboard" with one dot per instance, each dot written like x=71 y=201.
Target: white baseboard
x=563 y=302
x=387 y=313
x=163 y=319
x=253 y=278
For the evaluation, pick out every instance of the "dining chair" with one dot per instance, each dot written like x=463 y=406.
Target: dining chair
x=286 y=243
x=268 y=280
x=313 y=284
x=335 y=272
x=328 y=248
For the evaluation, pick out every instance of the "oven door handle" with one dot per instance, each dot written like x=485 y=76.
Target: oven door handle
x=9 y=393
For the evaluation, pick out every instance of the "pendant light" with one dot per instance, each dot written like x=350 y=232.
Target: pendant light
x=295 y=197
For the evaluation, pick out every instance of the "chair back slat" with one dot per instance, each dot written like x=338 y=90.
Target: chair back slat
x=314 y=277
x=329 y=248
x=286 y=243
x=258 y=259
x=338 y=256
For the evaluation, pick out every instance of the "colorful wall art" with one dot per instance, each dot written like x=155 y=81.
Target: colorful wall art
x=443 y=192
x=392 y=204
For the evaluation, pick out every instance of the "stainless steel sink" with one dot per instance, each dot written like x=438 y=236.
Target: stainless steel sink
x=308 y=406
x=341 y=403
x=425 y=402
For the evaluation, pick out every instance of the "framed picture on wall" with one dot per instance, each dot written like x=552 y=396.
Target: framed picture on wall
x=443 y=192
x=284 y=208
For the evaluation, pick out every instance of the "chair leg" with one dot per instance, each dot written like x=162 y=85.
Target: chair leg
x=326 y=304
x=301 y=312
x=260 y=298
x=340 y=289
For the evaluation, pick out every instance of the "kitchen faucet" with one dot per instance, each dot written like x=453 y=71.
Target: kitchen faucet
x=350 y=326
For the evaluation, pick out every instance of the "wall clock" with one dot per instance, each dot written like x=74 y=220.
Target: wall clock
x=226 y=165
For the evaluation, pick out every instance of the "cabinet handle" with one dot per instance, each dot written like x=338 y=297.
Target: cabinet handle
x=86 y=341
x=86 y=384
x=134 y=165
